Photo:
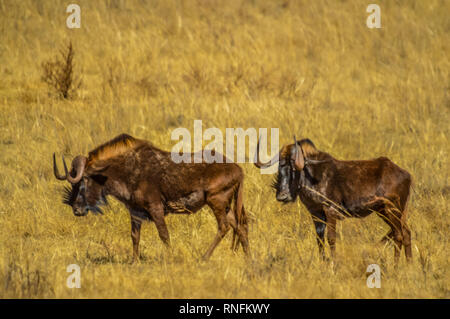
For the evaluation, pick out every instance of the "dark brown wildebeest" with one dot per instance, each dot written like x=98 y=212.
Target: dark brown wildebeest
x=332 y=189
x=151 y=185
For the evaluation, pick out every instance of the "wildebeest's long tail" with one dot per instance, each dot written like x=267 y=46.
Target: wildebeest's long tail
x=241 y=230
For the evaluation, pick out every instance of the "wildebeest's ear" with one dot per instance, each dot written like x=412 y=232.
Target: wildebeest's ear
x=97 y=172
x=297 y=155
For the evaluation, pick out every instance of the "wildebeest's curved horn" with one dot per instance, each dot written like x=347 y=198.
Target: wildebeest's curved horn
x=56 y=171
x=78 y=165
x=299 y=161
x=272 y=161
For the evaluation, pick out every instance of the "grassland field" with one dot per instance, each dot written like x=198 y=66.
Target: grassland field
x=310 y=68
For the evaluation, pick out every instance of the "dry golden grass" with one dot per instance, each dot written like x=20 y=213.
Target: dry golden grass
x=311 y=68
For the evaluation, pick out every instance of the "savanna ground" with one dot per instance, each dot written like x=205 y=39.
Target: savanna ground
x=310 y=68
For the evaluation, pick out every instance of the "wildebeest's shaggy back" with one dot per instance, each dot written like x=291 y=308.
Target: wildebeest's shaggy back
x=114 y=147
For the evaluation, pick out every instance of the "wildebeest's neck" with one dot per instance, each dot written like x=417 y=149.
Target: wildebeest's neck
x=127 y=170
x=314 y=180
x=315 y=172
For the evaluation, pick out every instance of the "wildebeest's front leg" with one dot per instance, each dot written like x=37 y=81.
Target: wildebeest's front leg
x=331 y=234
x=320 y=224
x=156 y=211
x=149 y=199
x=137 y=217
x=387 y=208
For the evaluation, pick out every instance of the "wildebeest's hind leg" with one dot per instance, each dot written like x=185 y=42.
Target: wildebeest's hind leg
x=387 y=237
x=406 y=237
x=238 y=220
x=218 y=203
x=240 y=232
x=233 y=223
x=331 y=234
x=393 y=217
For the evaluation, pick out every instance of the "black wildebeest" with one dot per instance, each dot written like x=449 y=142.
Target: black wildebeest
x=332 y=189
x=151 y=185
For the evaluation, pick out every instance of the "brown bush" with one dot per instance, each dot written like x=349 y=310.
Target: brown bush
x=59 y=73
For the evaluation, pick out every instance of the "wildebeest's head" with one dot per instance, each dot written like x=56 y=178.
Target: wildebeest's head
x=86 y=192
x=88 y=175
x=291 y=161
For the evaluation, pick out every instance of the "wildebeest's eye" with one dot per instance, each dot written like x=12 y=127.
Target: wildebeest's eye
x=99 y=179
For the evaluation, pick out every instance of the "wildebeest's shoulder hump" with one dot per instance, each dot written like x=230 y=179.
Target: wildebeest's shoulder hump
x=117 y=146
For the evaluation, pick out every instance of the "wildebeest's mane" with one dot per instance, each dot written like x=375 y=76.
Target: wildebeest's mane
x=308 y=147
x=117 y=146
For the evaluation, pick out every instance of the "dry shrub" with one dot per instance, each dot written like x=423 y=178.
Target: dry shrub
x=59 y=73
